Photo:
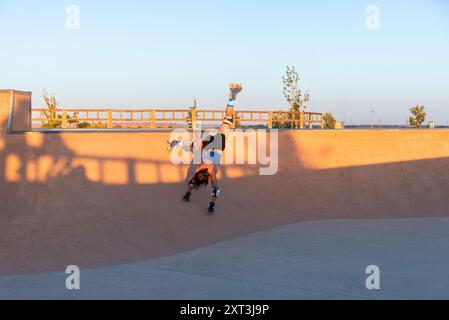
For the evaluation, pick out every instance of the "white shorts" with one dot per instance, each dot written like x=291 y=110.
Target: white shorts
x=212 y=156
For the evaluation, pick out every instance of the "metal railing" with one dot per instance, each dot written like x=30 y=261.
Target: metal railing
x=155 y=118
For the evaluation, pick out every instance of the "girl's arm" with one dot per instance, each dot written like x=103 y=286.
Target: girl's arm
x=191 y=186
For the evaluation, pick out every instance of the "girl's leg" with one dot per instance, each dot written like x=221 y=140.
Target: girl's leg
x=228 y=121
x=216 y=190
x=188 y=195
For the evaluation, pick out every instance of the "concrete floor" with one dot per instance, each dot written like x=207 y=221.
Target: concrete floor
x=309 y=260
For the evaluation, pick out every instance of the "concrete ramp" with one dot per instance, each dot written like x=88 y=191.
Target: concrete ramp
x=307 y=260
x=105 y=198
x=96 y=199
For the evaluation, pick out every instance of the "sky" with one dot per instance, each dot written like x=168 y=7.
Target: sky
x=162 y=54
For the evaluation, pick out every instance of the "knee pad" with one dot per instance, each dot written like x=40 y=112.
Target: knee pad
x=216 y=192
x=192 y=183
x=228 y=120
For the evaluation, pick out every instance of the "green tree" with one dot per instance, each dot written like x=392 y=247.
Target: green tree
x=418 y=116
x=294 y=95
x=237 y=121
x=84 y=125
x=279 y=120
x=329 y=121
x=54 y=121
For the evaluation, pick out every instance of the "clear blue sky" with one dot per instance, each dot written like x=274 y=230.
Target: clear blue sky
x=163 y=53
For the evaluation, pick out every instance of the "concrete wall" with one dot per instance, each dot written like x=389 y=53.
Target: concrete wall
x=96 y=199
x=19 y=102
x=114 y=158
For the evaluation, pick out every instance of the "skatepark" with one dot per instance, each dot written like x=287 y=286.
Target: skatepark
x=110 y=203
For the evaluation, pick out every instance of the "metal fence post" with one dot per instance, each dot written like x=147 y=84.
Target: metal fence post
x=294 y=126
x=194 y=119
x=109 y=119
x=153 y=119
x=270 y=120
x=301 y=120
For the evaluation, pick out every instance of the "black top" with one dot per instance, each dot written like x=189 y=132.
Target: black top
x=215 y=142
